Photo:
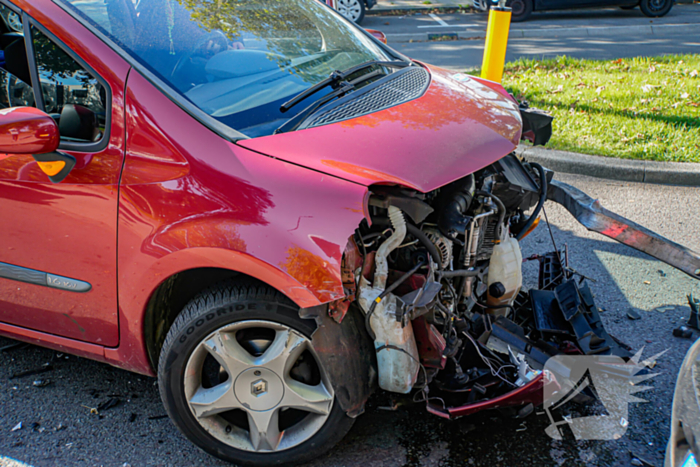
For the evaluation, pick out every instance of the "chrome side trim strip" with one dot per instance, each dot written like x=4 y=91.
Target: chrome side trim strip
x=32 y=276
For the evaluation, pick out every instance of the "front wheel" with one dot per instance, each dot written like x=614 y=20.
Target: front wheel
x=655 y=8
x=521 y=10
x=239 y=377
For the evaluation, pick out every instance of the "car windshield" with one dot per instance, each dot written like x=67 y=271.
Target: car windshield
x=237 y=60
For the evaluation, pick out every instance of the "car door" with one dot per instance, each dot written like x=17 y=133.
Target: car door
x=58 y=240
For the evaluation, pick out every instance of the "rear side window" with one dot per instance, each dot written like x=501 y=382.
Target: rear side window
x=72 y=95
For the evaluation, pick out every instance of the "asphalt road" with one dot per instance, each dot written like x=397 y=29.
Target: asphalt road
x=58 y=428
x=596 y=34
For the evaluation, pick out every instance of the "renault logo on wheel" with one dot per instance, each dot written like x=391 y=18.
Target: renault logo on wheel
x=258 y=387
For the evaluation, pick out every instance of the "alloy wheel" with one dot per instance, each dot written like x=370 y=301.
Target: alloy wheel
x=257 y=386
x=351 y=9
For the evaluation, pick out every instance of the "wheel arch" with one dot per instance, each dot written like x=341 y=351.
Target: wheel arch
x=147 y=306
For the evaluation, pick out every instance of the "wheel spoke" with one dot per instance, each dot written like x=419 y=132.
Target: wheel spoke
x=211 y=401
x=228 y=352
x=314 y=399
x=284 y=350
x=264 y=429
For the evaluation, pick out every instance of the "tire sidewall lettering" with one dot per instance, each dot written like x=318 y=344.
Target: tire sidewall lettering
x=252 y=306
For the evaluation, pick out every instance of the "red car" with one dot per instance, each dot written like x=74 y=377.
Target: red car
x=275 y=213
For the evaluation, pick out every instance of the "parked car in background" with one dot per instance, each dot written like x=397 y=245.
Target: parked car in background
x=683 y=448
x=354 y=10
x=522 y=9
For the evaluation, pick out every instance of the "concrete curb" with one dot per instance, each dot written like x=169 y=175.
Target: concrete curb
x=436 y=7
x=665 y=173
x=614 y=31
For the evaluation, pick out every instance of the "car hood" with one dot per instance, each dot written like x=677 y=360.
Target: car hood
x=458 y=126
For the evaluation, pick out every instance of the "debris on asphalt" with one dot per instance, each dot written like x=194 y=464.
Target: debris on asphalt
x=647 y=282
x=60 y=427
x=661 y=273
x=42 y=369
x=110 y=403
x=683 y=332
x=693 y=321
x=16 y=345
x=93 y=410
x=17 y=427
x=664 y=309
x=632 y=314
x=639 y=462
x=41 y=383
x=522 y=427
x=157 y=417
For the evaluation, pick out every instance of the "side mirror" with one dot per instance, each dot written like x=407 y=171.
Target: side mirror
x=379 y=35
x=26 y=130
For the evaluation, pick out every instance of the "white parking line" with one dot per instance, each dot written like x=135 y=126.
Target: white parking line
x=451 y=26
x=438 y=19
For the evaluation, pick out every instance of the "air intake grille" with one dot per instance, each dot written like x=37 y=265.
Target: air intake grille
x=407 y=86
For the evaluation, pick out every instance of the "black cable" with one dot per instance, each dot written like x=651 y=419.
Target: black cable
x=458 y=273
x=386 y=292
x=540 y=203
x=418 y=233
x=482 y=305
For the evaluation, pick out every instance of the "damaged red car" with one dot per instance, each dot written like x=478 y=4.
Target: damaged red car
x=276 y=214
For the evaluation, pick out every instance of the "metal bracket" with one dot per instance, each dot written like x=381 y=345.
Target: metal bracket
x=596 y=218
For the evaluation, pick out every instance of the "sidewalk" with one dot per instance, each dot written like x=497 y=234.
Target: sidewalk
x=383 y=6
x=412 y=21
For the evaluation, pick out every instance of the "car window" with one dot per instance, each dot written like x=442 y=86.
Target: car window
x=15 y=82
x=72 y=95
x=236 y=60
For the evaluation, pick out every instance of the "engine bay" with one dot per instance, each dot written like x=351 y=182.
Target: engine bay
x=438 y=279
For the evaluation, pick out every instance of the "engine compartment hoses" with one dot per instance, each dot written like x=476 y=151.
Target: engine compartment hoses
x=418 y=233
x=540 y=204
x=501 y=208
x=458 y=273
x=386 y=292
x=381 y=271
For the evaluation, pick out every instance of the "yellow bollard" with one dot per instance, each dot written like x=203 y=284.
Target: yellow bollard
x=496 y=44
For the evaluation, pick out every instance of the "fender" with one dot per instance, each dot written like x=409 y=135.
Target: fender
x=216 y=204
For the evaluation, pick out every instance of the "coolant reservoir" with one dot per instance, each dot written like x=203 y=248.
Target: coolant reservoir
x=397 y=353
x=505 y=274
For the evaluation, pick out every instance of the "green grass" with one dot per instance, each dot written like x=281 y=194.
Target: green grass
x=638 y=108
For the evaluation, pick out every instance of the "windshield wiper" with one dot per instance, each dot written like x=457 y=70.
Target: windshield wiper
x=343 y=88
x=337 y=77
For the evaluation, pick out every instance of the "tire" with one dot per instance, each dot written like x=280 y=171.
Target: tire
x=522 y=9
x=655 y=8
x=354 y=10
x=257 y=336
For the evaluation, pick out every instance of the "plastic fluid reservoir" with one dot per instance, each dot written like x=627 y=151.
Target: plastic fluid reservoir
x=505 y=274
x=397 y=353
x=398 y=369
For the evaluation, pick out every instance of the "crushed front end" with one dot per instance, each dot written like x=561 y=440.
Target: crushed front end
x=437 y=277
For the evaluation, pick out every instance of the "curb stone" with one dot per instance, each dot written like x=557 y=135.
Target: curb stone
x=438 y=6
x=555 y=32
x=664 y=173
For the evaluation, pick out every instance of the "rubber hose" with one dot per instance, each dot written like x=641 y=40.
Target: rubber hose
x=540 y=204
x=418 y=233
